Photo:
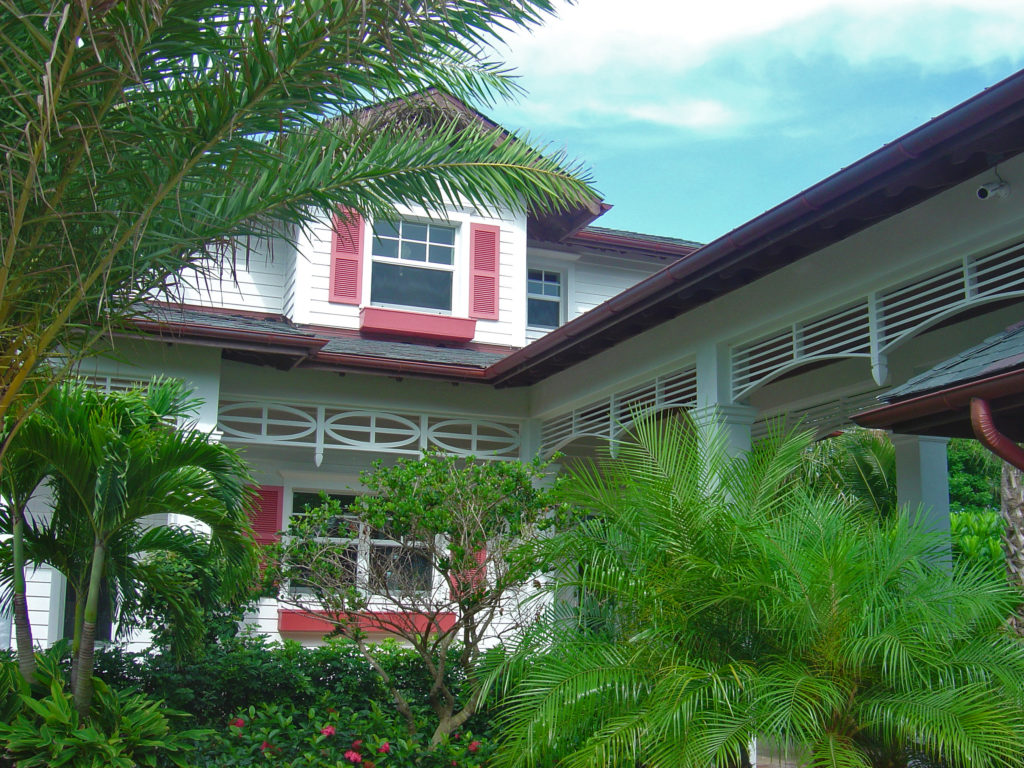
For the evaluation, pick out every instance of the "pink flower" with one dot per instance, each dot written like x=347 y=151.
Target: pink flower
x=357 y=744
x=353 y=757
x=265 y=746
x=237 y=722
x=384 y=748
x=327 y=730
x=474 y=746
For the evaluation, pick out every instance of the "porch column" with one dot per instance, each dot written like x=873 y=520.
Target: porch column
x=922 y=479
x=714 y=398
x=734 y=422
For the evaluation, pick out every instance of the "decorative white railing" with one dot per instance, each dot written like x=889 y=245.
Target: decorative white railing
x=873 y=326
x=607 y=417
x=340 y=427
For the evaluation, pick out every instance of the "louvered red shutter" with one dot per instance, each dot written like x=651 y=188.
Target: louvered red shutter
x=484 y=263
x=265 y=517
x=470 y=580
x=346 y=258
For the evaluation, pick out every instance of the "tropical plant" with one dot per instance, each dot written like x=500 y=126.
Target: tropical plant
x=124 y=729
x=721 y=599
x=859 y=464
x=113 y=463
x=141 y=138
x=447 y=571
x=330 y=735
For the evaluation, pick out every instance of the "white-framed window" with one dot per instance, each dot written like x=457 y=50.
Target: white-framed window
x=412 y=265
x=379 y=565
x=545 y=292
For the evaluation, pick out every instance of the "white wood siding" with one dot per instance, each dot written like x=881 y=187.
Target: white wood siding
x=256 y=283
x=595 y=282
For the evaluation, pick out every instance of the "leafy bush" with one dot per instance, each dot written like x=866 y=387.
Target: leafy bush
x=327 y=737
x=250 y=670
x=977 y=536
x=124 y=730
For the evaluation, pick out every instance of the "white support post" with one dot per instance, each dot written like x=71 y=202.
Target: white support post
x=714 y=398
x=922 y=480
x=529 y=439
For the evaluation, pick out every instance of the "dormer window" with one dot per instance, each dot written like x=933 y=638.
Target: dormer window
x=416 y=268
x=413 y=265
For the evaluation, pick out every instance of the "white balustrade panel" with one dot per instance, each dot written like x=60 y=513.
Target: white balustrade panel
x=334 y=427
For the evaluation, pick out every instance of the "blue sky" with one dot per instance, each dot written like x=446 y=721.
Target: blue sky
x=696 y=116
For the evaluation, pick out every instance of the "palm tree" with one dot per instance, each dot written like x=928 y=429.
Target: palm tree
x=140 y=138
x=721 y=600
x=861 y=465
x=116 y=462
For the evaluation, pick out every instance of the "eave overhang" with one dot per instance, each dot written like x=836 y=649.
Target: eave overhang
x=946 y=412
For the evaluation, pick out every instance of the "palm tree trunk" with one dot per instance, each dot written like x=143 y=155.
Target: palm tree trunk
x=22 y=625
x=1012 y=508
x=86 y=656
x=76 y=636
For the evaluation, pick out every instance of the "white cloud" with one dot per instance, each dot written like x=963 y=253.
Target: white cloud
x=675 y=36
x=647 y=61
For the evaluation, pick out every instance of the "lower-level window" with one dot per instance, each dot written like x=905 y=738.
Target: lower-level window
x=543 y=298
x=379 y=565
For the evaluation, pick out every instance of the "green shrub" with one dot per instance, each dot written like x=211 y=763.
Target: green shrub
x=327 y=737
x=124 y=729
x=249 y=670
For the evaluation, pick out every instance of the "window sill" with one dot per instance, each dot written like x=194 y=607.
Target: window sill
x=292 y=620
x=397 y=322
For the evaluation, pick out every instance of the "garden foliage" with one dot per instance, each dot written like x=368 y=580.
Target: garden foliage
x=720 y=598
x=124 y=729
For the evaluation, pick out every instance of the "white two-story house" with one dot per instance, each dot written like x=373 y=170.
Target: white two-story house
x=505 y=335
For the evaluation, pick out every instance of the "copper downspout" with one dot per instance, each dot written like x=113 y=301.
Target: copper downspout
x=989 y=435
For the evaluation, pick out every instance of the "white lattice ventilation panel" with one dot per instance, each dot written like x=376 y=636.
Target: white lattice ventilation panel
x=606 y=417
x=333 y=427
x=821 y=418
x=838 y=334
x=871 y=327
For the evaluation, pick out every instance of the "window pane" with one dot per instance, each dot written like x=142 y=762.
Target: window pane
x=535 y=275
x=412 y=231
x=386 y=228
x=341 y=570
x=543 y=314
x=342 y=527
x=441 y=254
x=414 y=251
x=408 y=286
x=442 y=235
x=387 y=248
x=552 y=289
x=397 y=569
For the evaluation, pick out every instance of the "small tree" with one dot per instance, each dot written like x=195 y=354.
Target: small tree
x=433 y=554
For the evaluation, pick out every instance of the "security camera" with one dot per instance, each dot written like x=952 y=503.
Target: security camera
x=993 y=190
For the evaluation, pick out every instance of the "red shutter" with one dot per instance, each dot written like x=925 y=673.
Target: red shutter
x=484 y=263
x=266 y=513
x=346 y=258
x=469 y=581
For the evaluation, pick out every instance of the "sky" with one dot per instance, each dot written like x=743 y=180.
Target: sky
x=695 y=116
